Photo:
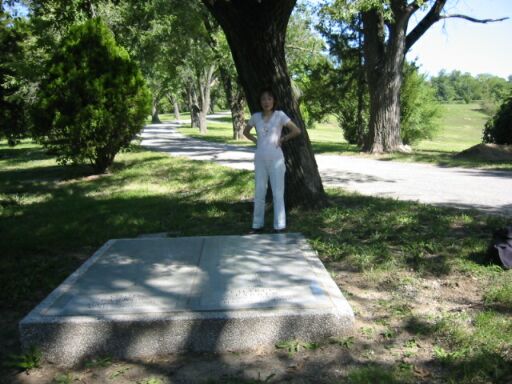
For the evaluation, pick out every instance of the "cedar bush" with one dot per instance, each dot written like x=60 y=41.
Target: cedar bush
x=419 y=111
x=93 y=101
x=498 y=129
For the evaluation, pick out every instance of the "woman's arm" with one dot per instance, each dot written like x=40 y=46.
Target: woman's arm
x=249 y=135
x=294 y=131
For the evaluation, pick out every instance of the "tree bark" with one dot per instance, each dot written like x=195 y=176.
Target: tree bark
x=154 y=112
x=255 y=31
x=237 y=114
x=235 y=99
x=193 y=106
x=361 y=89
x=384 y=129
x=176 y=107
x=384 y=59
x=204 y=84
x=213 y=100
x=383 y=67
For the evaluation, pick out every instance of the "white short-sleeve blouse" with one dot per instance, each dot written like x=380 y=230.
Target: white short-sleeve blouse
x=268 y=134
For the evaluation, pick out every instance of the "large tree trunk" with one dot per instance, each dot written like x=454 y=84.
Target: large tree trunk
x=384 y=52
x=384 y=129
x=383 y=66
x=256 y=30
x=176 y=106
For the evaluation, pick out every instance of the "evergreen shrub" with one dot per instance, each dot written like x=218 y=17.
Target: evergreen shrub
x=419 y=111
x=93 y=101
x=498 y=129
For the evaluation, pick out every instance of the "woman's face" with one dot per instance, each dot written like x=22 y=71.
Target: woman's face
x=267 y=101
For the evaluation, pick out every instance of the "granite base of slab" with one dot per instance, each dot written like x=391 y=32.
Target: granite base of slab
x=137 y=298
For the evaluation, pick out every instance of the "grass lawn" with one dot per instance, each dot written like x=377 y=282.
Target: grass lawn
x=430 y=305
x=461 y=128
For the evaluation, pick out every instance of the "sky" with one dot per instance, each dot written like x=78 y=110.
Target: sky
x=456 y=44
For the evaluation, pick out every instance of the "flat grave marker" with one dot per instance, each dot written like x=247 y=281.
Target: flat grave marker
x=152 y=296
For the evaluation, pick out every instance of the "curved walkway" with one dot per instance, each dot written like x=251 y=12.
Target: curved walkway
x=487 y=190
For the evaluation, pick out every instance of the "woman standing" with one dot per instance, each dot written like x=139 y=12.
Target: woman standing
x=269 y=159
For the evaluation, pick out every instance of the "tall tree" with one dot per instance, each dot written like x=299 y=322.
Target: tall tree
x=205 y=79
x=156 y=33
x=227 y=72
x=13 y=117
x=345 y=77
x=236 y=100
x=199 y=69
x=305 y=51
x=255 y=31
x=386 y=42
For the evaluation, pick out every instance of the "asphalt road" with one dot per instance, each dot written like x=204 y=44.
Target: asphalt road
x=486 y=190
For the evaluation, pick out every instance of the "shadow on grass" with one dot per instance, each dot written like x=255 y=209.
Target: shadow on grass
x=221 y=119
x=54 y=214
x=361 y=233
x=448 y=160
x=19 y=154
x=481 y=110
x=56 y=217
x=503 y=308
x=482 y=367
x=418 y=326
x=367 y=233
x=436 y=157
x=320 y=148
x=213 y=139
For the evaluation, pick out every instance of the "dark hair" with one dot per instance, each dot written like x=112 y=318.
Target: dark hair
x=271 y=93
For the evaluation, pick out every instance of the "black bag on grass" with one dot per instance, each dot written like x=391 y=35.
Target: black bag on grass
x=502 y=246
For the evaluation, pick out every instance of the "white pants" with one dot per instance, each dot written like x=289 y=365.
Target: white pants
x=263 y=171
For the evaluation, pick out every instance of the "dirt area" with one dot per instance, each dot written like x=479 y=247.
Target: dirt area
x=391 y=312
x=491 y=152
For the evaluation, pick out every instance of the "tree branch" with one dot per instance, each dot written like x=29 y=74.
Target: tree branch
x=472 y=19
x=428 y=20
x=433 y=16
x=291 y=46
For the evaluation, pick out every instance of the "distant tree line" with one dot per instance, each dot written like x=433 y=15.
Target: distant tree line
x=455 y=86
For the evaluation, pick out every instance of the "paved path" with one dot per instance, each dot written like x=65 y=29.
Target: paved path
x=486 y=190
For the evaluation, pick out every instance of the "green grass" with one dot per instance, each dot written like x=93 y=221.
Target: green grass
x=47 y=210
x=52 y=217
x=475 y=350
x=366 y=233
x=499 y=294
x=400 y=374
x=326 y=137
x=461 y=128
x=220 y=130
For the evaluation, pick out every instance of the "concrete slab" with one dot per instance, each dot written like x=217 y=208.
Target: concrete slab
x=152 y=296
